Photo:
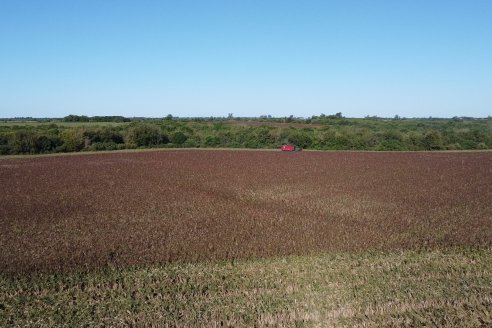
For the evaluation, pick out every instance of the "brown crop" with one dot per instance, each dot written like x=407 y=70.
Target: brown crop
x=82 y=212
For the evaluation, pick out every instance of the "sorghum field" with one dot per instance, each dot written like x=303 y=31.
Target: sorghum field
x=217 y=237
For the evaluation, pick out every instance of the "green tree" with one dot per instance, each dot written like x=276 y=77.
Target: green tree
x=73 y=139
x=391 y=140
x=145 y=134
x=432 y=140
x=178 y=138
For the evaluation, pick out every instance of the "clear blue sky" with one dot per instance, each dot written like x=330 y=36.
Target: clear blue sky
x=413 y=58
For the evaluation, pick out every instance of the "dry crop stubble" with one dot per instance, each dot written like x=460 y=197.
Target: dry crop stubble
x=409 y=288
x=76 y=212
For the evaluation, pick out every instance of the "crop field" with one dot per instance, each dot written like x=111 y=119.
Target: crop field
x=217 y=237
x=137 y=208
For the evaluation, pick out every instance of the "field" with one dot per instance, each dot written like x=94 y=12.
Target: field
x=244 y=237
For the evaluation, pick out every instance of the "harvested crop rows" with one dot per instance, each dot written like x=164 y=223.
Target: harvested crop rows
x=119 y=209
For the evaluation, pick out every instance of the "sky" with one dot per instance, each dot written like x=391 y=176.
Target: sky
x=412 y=58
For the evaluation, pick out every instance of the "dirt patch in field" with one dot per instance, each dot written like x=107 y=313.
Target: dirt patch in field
x=157 y=207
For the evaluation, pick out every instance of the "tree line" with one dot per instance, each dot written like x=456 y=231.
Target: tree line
x=330 y=133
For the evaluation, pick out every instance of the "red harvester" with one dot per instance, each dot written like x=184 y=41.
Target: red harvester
x=290 y=148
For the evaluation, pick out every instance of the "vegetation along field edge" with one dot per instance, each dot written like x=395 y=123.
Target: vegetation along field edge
x=321 y=133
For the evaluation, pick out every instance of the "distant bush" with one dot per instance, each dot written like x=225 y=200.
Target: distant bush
x=47 y=143
x=29 y=142
x=145 y=134
x=178 y=138
x=4 y=144
x=24 y=142
x=73 y=139
x=212 y=141
x=105 y=134
x=391 y=140
x=103 y=146
x=300 y=139
x=432 y=140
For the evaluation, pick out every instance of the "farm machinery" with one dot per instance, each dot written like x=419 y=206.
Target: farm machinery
x=290 y=147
